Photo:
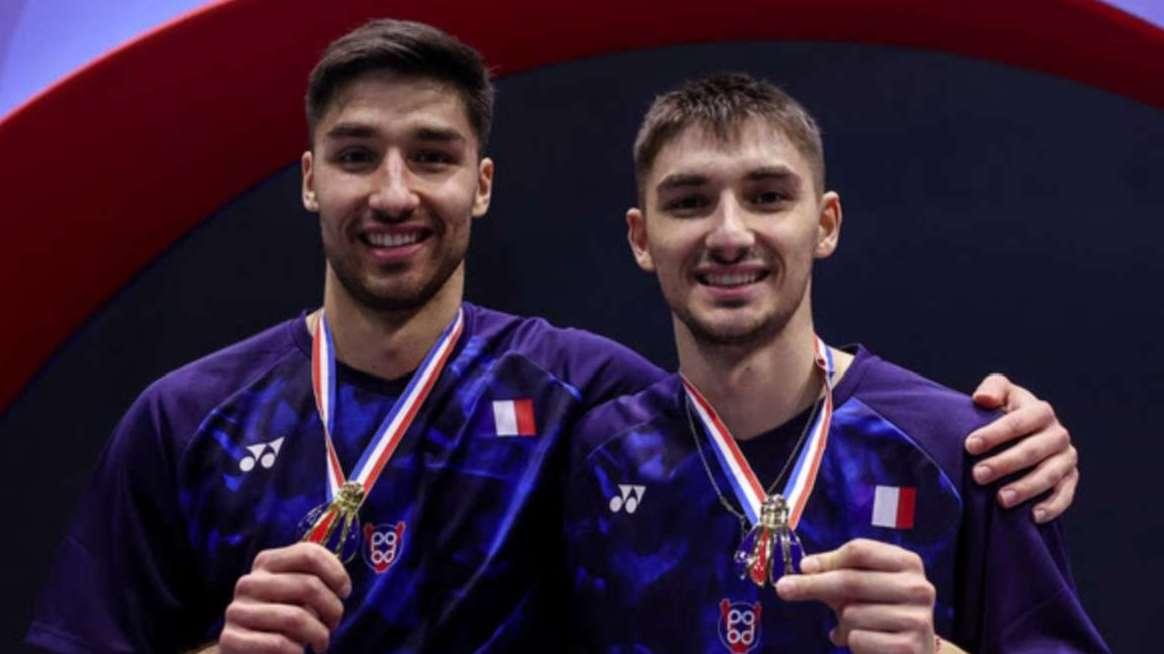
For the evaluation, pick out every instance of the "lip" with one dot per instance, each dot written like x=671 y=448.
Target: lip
x=414 y=236
x=734 y=291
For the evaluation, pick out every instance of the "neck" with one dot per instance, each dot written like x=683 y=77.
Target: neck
x=755 y=387
x=386 y=343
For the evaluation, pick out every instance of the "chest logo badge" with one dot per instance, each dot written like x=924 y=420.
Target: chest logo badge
x=629 y=497
x=382 y=545
x=739 y=625
x=262 y=454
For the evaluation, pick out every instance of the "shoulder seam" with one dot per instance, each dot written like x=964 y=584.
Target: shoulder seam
x=581 y=467
x=262 y=372
x=929 y=455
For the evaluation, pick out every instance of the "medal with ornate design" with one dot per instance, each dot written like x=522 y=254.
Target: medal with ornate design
x=335 y=524
x=771 y=518
x=771 y=535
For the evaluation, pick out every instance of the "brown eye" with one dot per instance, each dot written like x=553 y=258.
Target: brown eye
x=686 y=203
x=769 y=197
x=432 y=157
x=354 y=157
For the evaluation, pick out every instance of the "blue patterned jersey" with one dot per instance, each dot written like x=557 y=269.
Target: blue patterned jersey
x=224 y=457
x=651 y=545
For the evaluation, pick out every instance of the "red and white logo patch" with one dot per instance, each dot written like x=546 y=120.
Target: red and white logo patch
x=893 y=506
x=739 y=625
x=514 y=417
x=382 y=545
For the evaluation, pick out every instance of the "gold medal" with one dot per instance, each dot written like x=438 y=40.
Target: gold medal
x=754 y=556
x=336 y=525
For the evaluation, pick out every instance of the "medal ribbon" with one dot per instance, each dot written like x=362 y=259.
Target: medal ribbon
x=390 y=432
x=747 y=487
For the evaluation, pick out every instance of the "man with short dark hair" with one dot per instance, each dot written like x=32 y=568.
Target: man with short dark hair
x=691 y=505
x=412 y=434
x=441 y=417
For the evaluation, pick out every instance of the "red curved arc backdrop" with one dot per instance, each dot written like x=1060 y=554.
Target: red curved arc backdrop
x=106 y=169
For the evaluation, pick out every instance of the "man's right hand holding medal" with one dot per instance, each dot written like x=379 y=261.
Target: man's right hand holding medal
x=291 y=599
x=879 y=592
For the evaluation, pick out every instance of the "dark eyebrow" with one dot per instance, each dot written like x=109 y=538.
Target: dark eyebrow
x=681 y=180
x=429 y=133
x=777 y=173
x=350 y=130
x=438 y=134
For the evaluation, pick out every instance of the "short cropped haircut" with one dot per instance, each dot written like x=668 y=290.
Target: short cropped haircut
x=721 y=103
x=406 y=48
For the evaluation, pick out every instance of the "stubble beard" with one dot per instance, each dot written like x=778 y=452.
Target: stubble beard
x=758 y=331
x=398 y=298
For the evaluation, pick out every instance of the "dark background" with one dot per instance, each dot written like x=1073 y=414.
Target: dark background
x=995 y=219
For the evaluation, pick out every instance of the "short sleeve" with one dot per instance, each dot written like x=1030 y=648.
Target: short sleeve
x=1017 y=594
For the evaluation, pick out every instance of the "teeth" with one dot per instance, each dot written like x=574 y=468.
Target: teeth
x=393 y=240
x=734 y=279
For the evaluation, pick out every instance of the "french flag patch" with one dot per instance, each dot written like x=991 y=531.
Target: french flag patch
x=514 y=417
x=893 y=506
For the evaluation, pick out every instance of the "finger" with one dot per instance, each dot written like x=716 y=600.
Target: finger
x=862 y=554
x=884 y=617
x=992 y=393
x=1024 y=454
x=861 y=641
x=1039 y=479
x=294 y=623
x=308 y=558
x=838 y=587
x=1061 y=498
x=1027 y=419
x=239 y=641
x=305 y=590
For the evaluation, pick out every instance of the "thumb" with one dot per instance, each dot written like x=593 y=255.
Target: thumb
x=821 y=562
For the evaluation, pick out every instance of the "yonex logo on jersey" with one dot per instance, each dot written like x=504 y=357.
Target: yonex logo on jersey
x=739 y=625
x=382 y=545
x=629 y=497
x=262 y=453
x=893 y=506
x=514 y=417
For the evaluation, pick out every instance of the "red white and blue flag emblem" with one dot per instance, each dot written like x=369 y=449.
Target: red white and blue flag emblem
x=893 y=506
x=514 y=417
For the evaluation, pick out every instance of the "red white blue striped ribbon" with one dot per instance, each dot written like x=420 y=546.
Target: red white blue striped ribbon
x=395 y=425
x=747 y=487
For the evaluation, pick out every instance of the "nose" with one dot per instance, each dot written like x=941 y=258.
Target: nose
x=393 y=196
x=730 y=240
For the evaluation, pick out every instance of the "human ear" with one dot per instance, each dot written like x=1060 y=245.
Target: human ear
x=636 y=236
x=308 y=180
x=484 y=187
x=828 y=231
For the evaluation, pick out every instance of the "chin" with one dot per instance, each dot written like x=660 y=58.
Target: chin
x=406 y=289
x=392 y=295
x=738 y=330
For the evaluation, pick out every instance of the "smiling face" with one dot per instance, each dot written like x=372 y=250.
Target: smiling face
x=731 y=227
x=396 y=177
